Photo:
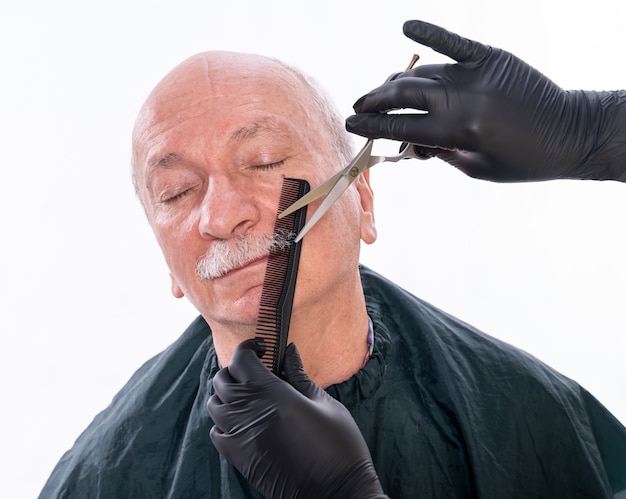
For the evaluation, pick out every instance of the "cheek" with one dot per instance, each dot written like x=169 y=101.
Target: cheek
x=337 y=234
x=175 y=237
x=346 y=228
x=346 y=212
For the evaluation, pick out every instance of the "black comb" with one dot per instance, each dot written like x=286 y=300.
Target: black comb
x=279 y=283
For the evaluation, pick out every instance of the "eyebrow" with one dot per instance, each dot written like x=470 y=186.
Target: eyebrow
x=164 y=161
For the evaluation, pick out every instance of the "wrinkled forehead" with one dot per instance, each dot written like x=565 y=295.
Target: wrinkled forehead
x=214 y=81
x=221 y=77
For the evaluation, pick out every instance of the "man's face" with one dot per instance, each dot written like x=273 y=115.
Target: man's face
x=211 y=147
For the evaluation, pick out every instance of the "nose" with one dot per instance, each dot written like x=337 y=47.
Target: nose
x=229 y=208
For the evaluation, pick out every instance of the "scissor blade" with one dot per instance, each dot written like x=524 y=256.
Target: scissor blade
x=327 y=185
x=341 y=184
x=343 y=179
x=318 y=192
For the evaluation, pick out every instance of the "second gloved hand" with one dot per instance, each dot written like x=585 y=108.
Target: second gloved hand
x=494 y=117
x=288 y=438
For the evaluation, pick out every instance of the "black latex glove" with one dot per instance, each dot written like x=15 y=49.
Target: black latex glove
x=288 y=438
x=494 y=117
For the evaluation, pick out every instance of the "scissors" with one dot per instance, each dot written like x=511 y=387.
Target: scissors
x=336 y=185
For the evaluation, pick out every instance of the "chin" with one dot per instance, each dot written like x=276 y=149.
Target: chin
x=237 y=314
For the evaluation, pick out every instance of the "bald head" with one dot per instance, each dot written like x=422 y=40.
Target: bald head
x=211 y=147
x=207 y=80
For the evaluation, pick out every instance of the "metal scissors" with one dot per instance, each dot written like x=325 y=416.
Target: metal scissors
x=336 y=185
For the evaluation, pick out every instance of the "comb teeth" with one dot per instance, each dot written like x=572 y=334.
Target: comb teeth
x=280 y=278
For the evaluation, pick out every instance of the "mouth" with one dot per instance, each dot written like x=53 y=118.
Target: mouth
x=262 y=260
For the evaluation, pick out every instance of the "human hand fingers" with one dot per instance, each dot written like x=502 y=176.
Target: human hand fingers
x=294 y=374
x=445 y=42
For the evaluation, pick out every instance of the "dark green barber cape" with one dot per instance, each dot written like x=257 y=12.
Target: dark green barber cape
x=447 y=412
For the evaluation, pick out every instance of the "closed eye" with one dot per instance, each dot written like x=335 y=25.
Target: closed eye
x=176 y=197
x=270 y=166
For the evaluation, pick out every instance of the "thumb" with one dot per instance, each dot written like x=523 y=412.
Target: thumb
x=294 y=374
x=245 y=364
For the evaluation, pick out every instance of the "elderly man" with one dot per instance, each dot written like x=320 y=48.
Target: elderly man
x=442 y=410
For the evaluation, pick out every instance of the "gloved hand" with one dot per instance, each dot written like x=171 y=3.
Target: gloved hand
x=494 y=117
x=288 y=438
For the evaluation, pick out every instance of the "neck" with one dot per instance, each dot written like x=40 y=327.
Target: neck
x=330 y=333
x=332 y=340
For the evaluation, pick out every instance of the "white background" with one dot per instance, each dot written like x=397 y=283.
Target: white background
x=84 y=294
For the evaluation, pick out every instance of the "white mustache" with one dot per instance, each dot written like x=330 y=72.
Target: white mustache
x=227 y=255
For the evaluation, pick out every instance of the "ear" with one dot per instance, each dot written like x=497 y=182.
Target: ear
x=176 y=290
x=368 y=226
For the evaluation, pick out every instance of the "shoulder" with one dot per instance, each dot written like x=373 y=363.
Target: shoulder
x=440 y=346
x=504 y=400
x=140 y=414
